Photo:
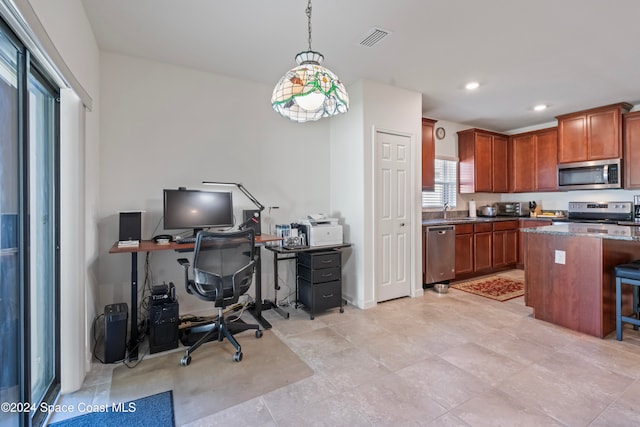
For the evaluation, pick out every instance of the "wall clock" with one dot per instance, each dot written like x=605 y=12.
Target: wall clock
x=440 y=133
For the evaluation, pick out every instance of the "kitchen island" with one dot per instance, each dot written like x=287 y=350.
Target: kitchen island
x=569 y=277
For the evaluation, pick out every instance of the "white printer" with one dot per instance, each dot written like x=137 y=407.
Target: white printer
x=321 y=230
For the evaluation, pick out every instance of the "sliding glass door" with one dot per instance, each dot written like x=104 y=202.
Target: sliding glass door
x=29 y=268
x=10 y=245
x=43 y=232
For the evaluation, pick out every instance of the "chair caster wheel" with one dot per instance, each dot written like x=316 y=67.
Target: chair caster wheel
x=341 y=310
x=237 y=356
x=185 y=361
x=259 y=333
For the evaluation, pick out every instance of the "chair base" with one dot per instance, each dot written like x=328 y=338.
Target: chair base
x=221 y=330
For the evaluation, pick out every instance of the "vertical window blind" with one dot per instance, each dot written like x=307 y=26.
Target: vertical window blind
x=446 y=185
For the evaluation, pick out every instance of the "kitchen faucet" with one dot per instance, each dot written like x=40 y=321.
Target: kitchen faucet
x=444 y=210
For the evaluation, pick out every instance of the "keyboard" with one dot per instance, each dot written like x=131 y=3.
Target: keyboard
x=193 y=239
x=186 y=240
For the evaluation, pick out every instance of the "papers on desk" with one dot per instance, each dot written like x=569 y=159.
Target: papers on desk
x=128 y=243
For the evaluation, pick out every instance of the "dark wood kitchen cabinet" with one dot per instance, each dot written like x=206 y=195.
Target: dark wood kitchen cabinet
x=464 y=250
x=428 y=154
x=483 y=161
x=593 y=134
x=522 y=154
x=533 y=161
x=632 y=150
x=505 y=244
x=482 y=248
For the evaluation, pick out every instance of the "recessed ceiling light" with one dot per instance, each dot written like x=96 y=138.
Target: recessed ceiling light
x=540 y=107
x=472 y=85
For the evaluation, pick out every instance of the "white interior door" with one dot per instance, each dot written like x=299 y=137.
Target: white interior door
x=393 y=216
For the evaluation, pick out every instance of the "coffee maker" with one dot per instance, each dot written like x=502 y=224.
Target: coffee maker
x=636 y=208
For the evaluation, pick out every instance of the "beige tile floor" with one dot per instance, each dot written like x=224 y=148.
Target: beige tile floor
x=452 y=359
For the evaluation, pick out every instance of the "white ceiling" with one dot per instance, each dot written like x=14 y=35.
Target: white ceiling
x=569 y=54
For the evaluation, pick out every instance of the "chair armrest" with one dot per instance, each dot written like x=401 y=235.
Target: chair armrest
x=184 y=262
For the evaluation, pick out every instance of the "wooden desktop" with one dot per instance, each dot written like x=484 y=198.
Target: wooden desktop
x=151 y=246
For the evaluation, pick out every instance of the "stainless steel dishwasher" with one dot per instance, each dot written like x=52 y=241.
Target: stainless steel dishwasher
x=440 y=256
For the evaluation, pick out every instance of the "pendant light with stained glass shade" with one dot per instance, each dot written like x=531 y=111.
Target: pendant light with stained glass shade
x=309 y=91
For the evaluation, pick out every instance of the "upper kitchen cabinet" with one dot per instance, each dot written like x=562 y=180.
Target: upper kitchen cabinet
x=632 y=150
x=428 y=154
x=591 y=134
x=483 y=161
x=533 y=159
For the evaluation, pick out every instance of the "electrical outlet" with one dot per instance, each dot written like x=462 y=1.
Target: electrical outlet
x=560 y=257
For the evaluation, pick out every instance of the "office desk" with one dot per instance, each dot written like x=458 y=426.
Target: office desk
x=151 y=246
x=283 y=254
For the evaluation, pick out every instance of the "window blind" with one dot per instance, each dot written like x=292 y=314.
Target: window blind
x=446 y=185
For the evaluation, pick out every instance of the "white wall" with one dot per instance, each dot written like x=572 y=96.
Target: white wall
x=67 y=26
x=374 y=107
x=347 y=181
x=164 y=126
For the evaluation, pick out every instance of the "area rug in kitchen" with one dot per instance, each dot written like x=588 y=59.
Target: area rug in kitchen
x=495 y=287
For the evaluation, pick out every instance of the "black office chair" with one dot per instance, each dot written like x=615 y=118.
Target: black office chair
x=223 y=267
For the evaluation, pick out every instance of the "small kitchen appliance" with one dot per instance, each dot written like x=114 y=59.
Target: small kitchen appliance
x=636 y=208
x=513 y=208
x=487 y=210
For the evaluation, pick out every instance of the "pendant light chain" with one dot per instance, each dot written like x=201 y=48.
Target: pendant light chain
x=309 y=19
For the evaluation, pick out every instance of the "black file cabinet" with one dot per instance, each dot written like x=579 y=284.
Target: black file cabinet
x=320 y=280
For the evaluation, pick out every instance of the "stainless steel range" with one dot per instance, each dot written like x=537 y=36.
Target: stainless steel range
x=600 y=212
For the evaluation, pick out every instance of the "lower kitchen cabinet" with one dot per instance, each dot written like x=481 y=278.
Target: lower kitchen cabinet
x=505 y=244
x=485 y=247
x=482 y=248
x=464 y=249
x=320 y=280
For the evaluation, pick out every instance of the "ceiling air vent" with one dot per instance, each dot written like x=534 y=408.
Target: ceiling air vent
x=373 y=37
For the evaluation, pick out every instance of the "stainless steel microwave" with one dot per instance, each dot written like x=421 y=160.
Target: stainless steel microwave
x=594 y=175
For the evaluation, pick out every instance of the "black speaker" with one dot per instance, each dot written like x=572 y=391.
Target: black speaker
x=130 y=226
x=115 y=332
x=163 y=327
x=246 y=214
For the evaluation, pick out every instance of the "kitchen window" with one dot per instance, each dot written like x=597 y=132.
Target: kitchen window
x=446 y=185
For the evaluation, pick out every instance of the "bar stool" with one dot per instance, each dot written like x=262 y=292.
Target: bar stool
x=627 y=274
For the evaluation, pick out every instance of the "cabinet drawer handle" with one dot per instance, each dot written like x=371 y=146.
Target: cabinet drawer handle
x=327 y=261
x=327 y=296
x=327 y=275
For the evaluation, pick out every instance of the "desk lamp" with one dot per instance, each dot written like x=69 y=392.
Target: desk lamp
x=256 y=216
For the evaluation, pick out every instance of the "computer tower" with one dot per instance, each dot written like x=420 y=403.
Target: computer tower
x=164 y=320
x=130 y=226
x=115 y=332
x=246 y=214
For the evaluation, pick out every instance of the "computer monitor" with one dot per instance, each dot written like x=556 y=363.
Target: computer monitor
x=197 y=209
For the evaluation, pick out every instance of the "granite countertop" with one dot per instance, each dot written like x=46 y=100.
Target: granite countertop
x=470 y=220
x=577 y=229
